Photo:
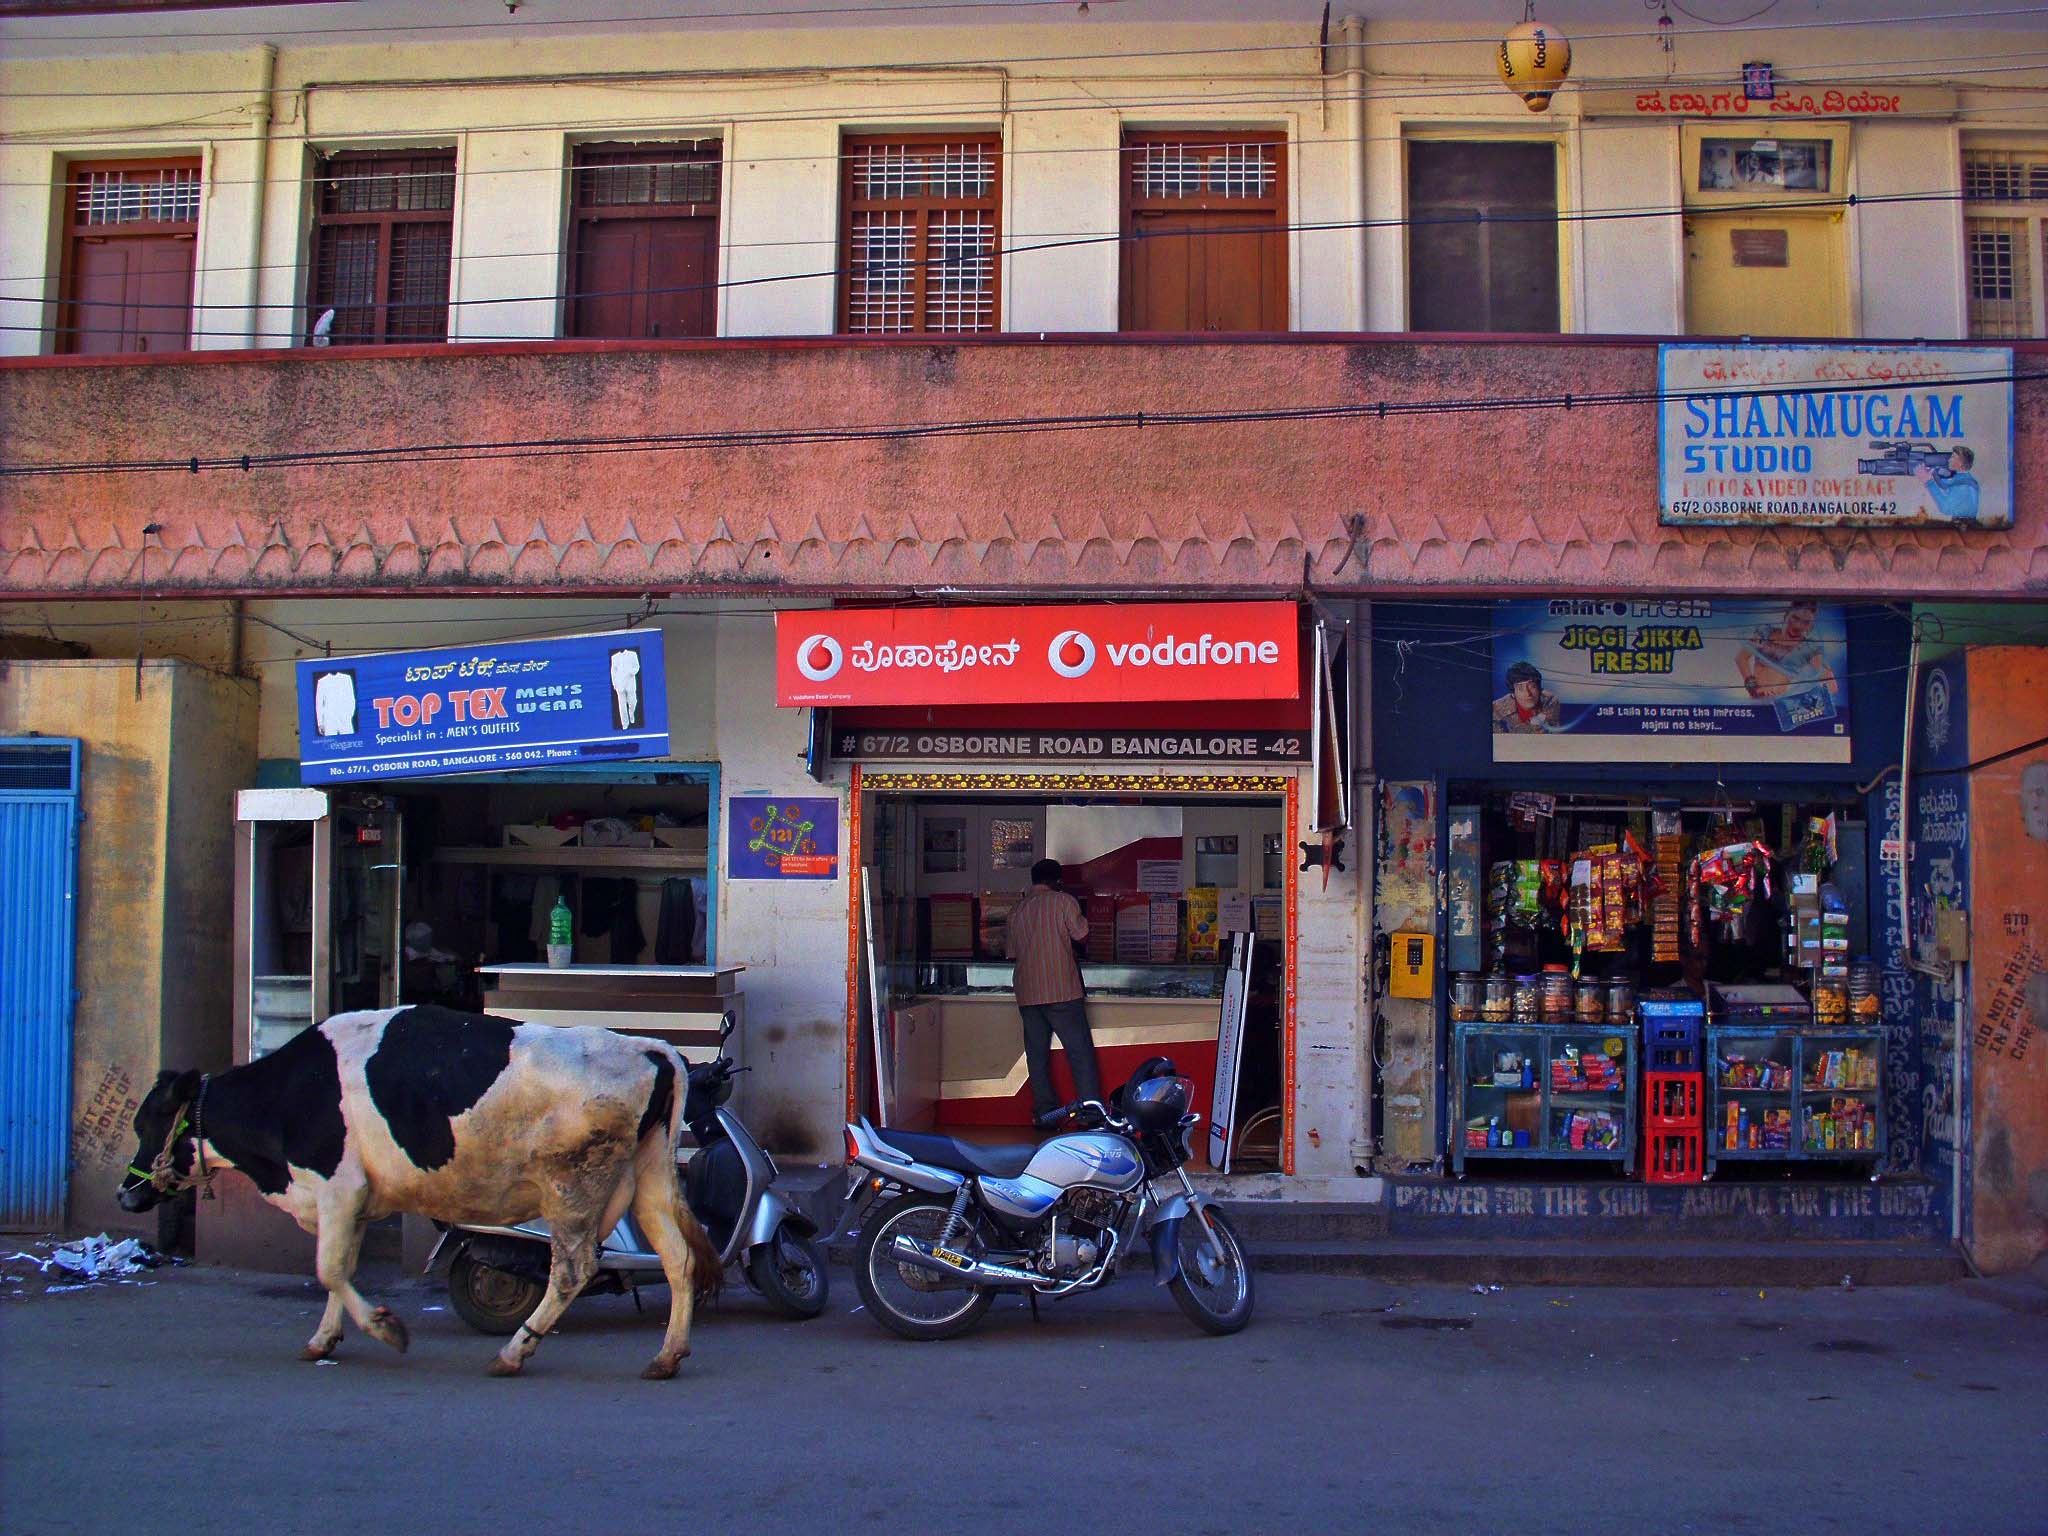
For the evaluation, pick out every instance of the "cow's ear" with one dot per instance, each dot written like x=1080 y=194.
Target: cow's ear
x=184 y=1085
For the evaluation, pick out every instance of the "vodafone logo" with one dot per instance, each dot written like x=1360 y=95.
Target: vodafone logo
x=1071 y=653
x=820 y=658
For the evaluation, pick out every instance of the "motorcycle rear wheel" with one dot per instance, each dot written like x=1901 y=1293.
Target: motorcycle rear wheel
x=790 y=1271
x=915 y=1303
x=491 y=1300
x=1217 y=1297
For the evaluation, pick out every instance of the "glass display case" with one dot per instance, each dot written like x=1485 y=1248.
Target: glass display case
x=1544 y=1091
x=1101 y=978
x=1795 y=1095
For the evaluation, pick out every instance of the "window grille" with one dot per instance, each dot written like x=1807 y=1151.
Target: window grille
x=919 y=250
x=2005 y=223
x=383 y=247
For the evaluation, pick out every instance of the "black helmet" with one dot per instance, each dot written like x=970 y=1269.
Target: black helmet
x=1157 y=1103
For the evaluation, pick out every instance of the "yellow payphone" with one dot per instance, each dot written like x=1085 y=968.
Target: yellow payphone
x=1413 y=972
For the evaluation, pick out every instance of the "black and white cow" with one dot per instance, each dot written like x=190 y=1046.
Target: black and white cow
x=459 y=1116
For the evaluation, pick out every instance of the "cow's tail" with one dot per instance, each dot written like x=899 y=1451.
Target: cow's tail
x=706 y=1268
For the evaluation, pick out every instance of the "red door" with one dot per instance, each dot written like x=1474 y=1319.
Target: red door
x=133 y=295
x=645 y=278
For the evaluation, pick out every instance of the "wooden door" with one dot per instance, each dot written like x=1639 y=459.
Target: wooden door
x=1204 y=224
x=646 y=278
x=131 y=294
x=1183 y=273
x=1764 y=274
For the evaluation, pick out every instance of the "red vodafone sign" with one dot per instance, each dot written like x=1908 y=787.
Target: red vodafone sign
x=1100 y=654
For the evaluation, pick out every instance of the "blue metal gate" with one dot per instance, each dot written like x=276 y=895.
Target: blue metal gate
x=38 y=904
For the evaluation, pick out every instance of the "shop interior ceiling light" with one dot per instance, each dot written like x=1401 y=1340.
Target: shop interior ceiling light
x=1533 y=60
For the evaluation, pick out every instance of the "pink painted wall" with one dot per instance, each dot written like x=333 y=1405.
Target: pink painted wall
x=1491 y=502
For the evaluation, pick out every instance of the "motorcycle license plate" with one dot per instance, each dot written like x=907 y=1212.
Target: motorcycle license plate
x=948 y=1256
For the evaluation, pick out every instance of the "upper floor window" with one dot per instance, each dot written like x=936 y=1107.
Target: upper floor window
x=643 y=242
x=383 y=237
x=131 y=229
x=2005 y=215
x=919 y=240
x=1482 y=236
x=1204 y=247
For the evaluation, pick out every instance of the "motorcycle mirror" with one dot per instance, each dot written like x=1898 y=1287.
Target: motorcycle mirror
x=726 y=1026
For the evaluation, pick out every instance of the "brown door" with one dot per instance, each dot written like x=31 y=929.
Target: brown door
x=645 y=230
x=128 y=262
x=1183 y=273
x=645 y=277
x=1205 y=218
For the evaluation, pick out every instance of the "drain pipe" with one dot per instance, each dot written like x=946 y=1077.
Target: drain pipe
x=1351 y=33
x=1948 y=973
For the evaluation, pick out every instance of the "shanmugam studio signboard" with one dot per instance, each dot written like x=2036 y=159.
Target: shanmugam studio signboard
x=1585 y=680
x=483 y=708
x=1826 y=436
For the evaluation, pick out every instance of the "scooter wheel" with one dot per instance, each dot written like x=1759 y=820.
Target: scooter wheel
x=491 y=1300
x=790 y=1272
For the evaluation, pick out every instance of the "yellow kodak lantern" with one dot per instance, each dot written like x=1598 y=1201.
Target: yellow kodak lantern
x=1534 y=58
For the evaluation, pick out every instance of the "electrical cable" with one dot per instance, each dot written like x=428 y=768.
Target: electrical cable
x=630 y=26
x=902 y=432
x=949 y=257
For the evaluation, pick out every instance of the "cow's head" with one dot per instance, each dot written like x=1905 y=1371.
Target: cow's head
x=163 y=1130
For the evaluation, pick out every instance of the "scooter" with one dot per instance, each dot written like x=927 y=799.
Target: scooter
x=496 y=1275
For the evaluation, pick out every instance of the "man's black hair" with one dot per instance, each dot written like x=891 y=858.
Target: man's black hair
x=1523 y=672
x=1046 y=872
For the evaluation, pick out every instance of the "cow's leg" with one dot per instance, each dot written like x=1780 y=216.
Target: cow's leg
x=573 y=1261
x=340 y=1241
x=654 y=1206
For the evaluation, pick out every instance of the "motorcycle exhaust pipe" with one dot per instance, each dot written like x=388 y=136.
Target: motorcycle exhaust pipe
x=908 y=1250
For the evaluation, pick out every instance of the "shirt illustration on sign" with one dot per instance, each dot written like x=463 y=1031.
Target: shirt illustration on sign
x=626 y=710
x=334 y=703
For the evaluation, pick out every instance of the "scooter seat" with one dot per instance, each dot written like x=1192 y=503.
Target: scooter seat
x=960 y=1156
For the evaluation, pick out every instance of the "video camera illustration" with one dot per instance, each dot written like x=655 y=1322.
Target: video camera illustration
x=1903 y=458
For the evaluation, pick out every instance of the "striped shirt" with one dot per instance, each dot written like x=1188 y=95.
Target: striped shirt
x=1043 y=928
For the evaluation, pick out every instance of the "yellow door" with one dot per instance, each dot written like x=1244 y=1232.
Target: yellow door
x=1764 y=274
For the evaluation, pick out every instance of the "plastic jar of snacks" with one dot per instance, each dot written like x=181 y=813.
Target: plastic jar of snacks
x=1555 y=995
x=1465 y=997
x=1528 y=999
x=1496 y=1006
x=1589 y=1006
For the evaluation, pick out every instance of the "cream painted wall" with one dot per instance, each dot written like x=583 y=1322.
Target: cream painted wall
x=781 y=100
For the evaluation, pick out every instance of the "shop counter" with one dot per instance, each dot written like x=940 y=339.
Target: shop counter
x=683 y=1005
x=981 y=1077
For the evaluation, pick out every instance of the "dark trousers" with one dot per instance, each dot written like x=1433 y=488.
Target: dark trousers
x=1068 y=1020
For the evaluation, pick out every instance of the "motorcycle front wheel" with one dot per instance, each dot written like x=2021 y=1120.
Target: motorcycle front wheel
x=916 y=1303
x=790 y=1272
x=491 y=1300
x=1216 y=1294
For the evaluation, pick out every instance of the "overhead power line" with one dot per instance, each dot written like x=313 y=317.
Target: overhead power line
x=952 y=260
x=901 y=432
x=510 y=30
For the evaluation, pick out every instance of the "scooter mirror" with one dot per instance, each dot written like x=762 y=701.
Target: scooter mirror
x=726 y=1026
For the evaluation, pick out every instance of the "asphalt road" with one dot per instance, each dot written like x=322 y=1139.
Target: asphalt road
x=1347 y=1405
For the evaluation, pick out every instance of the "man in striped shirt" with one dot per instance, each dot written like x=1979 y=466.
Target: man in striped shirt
x=1043 y=929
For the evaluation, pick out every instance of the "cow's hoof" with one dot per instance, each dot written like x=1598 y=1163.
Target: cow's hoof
x=500 y=1366
x=659 y=1369
x=319 y=1351
x=387 y=1327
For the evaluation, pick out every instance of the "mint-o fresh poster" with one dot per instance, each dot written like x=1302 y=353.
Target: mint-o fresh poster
x=1581 y=680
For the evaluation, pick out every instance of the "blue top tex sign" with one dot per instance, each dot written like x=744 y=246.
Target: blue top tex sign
x=484 y=708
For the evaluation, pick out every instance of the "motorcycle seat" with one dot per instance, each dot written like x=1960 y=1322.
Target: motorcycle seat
x=1004 y=1162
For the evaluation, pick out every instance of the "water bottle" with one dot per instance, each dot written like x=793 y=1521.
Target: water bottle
x=561 y=934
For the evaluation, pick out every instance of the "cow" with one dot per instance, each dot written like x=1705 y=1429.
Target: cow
x=463 y=1117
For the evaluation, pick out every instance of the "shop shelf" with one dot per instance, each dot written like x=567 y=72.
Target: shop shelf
x=1541 y=1109
x=1808 y=1052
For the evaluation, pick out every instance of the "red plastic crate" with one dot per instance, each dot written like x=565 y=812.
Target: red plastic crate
x=1672 y=1101
x=1673 y=1157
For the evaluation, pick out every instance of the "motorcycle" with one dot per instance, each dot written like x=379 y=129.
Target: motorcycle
x=946 y=1224
x=496 y=1275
